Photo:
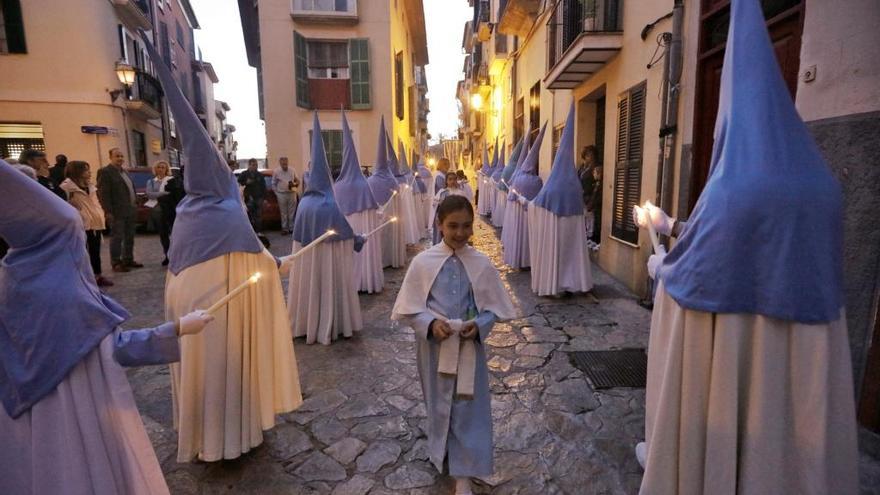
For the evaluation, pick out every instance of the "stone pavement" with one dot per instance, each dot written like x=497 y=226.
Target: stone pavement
x=360 y=429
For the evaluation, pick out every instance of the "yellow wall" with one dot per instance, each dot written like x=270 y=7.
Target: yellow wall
x=63 y=80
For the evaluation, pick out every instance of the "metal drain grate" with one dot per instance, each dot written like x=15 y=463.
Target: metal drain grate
x=609 y=369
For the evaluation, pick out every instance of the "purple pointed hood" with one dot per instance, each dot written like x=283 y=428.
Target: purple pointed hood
x=318 y=211
x=766 y=234
x=51 y=311
x=562 y=194
x=486 y=168
x=212 y=197
x=425 y=177
x=527 y=182
x=352 y=192
x=514 y=156
x=382 y=181
x=512 y=166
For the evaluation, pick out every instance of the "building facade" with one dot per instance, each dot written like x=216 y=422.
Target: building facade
x=62 y=93
x=644 y=79
x=365 y=56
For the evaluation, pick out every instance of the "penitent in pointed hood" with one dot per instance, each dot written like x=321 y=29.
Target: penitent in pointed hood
x=562 y=194
x=766 y=234
x=512 y=166
x=418 y=182
x=514 y=156
x=527 y=182
x=351 y=189
x=210 y=221
x=317 y=211
x=51 y=311
x=486 y=167
x=382 y=181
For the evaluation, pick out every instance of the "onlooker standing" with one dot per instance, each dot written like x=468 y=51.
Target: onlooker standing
x=284 y=183
x=36 y=159
x=117 y=196
x=254 y=192
x=157 y=194
x=84 y=198
x=585 y=174
x=440 y=174
x=56 y=173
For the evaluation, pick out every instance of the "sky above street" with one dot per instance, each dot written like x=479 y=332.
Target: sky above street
x=222 y=44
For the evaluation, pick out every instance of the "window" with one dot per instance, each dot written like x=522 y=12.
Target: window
x=11 y=28
x=359 y=55
x=15 y=138
x=518 y=119
x=333 y=147
x=398 y=85
x=535 y=109
x=181 y=40
x=628 y=163
x=411 y=100
x=325 y=5
x=166 y=42
x=301 y=70
x=327 y=59
x=139 y=149
x=557 y=136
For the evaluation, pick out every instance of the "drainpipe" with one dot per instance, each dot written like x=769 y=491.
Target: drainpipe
x=672 y=68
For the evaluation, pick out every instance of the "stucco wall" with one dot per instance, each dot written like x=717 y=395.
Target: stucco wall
x=287 y=125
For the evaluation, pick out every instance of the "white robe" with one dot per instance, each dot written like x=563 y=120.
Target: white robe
x=367 y=268
x=499 y=207
x=559 y=253
x=468 y=421
x=422 y=212
x=84 y=437
x=408 y=219
x=322 y=297
x=515 y=236
x=392 y=237
x=240 y=371
x=742 y=404
x=483 y=197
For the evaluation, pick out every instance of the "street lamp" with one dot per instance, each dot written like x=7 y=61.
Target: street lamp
x=125 y=73
x=477 y=101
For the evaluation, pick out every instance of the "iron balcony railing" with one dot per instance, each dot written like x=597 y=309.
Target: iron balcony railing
x=147 y=89
x=481 y=13
x=571 y=18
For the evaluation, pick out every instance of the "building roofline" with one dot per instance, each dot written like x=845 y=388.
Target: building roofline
x=190 y=13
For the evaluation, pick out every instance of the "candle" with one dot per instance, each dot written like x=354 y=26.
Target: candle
x=377 y=229
x=314 y=243
x=393 y=193
x=228 y=297
x=645 y=213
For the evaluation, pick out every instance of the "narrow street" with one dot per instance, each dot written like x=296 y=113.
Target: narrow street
x=360 y=428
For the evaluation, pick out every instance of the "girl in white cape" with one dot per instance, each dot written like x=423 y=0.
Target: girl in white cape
x=451 y=296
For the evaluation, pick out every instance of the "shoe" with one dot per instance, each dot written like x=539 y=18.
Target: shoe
x=120 y=268
x=103 y=282
x=165 y=262
x=641 y=453
x=133 y=264
x=463 y=486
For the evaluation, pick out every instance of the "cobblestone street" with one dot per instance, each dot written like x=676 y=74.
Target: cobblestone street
x=360 y=430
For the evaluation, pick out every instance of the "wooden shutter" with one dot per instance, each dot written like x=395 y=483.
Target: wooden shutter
x=359 y=63
x=301 y=70
x=628 y=163
x=13 y=23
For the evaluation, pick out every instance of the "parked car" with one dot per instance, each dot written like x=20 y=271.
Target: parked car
x=271 y=216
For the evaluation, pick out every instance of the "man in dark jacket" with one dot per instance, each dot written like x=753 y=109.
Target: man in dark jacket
x=254 y=191
x=117 y=196
x=56 y=173
x=36 y=159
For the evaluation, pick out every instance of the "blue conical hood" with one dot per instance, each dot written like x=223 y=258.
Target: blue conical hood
x=51 y=312
x=351 y=189
x=382 y=181
x=526 y=181
x=766 y=234
x=318 y=212
x=562 y=194
x=514 y=156
x=513 y=165
x=486 y=167
x=212 y=196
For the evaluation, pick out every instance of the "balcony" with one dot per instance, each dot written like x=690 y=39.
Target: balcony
x=517 y=16
x=481 y=20
x=324 y=11
x=144 y=97
x=329 y=94
x=135 y=14
x=581 y=38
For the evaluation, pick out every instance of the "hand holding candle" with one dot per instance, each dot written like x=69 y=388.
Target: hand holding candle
x=643 y=218
x=382 y=208
x=312 y=244
x=228 y=297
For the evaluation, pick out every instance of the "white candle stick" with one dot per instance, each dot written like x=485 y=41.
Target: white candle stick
x=228 y=297
x=377 y=229
x=655 y=241
x=314 y=243
x=393 y=193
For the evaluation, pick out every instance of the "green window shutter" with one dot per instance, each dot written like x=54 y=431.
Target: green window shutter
x=359 y=63
x=301 y=69
x=628 y=163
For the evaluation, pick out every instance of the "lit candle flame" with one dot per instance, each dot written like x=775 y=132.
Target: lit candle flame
x=393 y=219
x=255 y=277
